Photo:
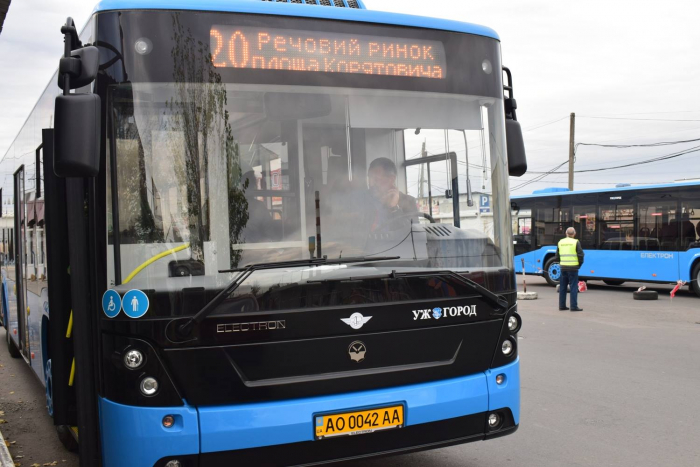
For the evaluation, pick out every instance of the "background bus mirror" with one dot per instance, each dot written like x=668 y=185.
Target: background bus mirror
x=77 y=135
x=517 y=161
x=82 y=65
x=284 y=106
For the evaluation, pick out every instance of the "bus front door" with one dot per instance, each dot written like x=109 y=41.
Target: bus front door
x=19 y=289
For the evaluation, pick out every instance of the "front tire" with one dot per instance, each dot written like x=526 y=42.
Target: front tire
x=695 y=279
x=11 y=347
x=66 y=438
x=552 y=272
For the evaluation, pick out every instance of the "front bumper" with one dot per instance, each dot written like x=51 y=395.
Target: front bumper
x=437 y=414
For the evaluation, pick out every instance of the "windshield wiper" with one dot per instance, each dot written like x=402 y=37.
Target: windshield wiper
x=498 y=301
x=185 y=329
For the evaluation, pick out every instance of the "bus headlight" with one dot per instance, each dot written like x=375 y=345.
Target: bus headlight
x=507 y=347
x=149 y=386
x=133 y=359
x=514 y=323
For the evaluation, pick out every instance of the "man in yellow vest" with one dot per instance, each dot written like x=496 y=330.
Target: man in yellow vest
x=570 y=257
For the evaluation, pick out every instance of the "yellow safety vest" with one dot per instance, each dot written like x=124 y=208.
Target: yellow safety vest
x=567 y=252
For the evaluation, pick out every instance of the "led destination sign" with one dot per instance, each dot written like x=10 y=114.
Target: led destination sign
x=293 y=50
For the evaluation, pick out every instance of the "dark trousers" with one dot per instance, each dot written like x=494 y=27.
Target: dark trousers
x=568 y=278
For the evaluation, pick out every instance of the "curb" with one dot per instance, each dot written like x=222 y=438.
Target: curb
x=527 y=295
x=5 y=457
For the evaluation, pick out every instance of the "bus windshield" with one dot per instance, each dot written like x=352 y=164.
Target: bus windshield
x=217 y=175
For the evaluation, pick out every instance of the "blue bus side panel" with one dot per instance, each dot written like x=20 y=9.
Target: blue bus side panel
x=666 y=266
x=633 y=265
x=686 y=262
x=264 y=424
x=506 y=395
x=36 y=313
x=534 y=260
x=135 y=436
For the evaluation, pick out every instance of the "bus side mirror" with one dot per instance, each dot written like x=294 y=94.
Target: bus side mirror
x=77 y=135
x=517 y=161
x=82 y=65
x=515 y=145
x=76 y=151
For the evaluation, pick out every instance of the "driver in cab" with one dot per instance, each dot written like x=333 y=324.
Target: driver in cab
x=386 y=203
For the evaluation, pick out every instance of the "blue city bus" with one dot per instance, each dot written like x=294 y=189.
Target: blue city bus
x=643 y=234
x=210 y=256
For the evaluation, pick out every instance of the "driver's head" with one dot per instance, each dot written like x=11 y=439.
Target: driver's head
x=381 y=178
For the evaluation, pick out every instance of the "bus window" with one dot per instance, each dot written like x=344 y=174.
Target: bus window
x=584 y=223
x=552 y=223
x=690 y=224
x=616 y=227
x=658 y=226
x=522 y=233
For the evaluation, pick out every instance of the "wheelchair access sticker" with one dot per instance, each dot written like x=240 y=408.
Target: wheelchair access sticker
x=111 y=303
x=135 y=303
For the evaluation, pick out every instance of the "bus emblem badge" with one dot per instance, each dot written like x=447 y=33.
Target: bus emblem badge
x=357 y=351
x=356 y=320
x=437 y=313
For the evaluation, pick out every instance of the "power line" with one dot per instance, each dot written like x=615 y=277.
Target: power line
x=598 y=183
x=545 y=124
x=650 y=145
x=646 y=161
x=640 y=119
x=541 y=177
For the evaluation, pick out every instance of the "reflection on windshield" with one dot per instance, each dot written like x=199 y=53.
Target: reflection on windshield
x=235 y=171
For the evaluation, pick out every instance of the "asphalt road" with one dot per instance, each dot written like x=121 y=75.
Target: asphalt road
x=27 y=426
x=615 y=385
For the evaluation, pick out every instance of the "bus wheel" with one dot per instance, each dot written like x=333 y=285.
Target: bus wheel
x=552 y=272
x=48 y=379
x=66 y=438
x=11 y=347
x=609 y=282
x=695 y=279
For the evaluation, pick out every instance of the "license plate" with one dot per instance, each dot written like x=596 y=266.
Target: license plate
x=358 y=422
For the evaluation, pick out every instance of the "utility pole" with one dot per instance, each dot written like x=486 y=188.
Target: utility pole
x=572 y=127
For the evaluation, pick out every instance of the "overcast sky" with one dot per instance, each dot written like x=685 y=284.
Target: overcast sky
x=635 y=61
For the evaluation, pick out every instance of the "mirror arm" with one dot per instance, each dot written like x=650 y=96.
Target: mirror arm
x=509 y=102
x=67 y=66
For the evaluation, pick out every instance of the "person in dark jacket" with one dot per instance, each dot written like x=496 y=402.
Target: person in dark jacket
x=386 y=203
x=570 y=258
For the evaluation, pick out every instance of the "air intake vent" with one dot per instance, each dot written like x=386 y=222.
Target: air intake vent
x=438 y=230
x=336 y=3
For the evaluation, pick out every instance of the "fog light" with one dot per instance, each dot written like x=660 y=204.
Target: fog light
x=133 y=359
x=173 y=463
x=168 y=421
x=494 y=420
x=512 y=323
x=149 y=386
x=143 y=46
x=507 y=347
x=500 y=379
